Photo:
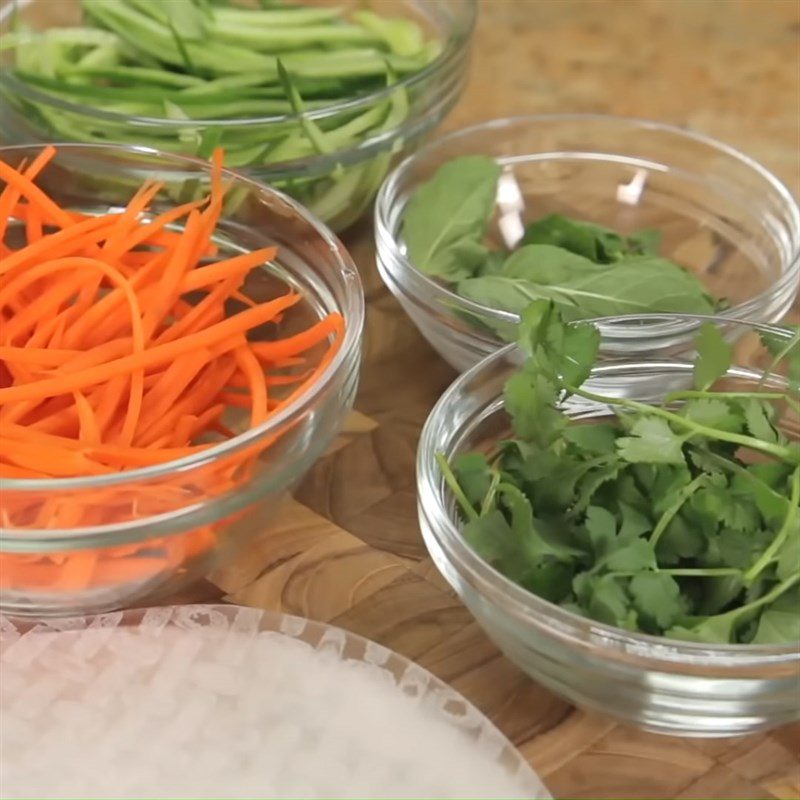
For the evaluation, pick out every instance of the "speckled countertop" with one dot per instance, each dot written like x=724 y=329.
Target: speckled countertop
x=727 y=68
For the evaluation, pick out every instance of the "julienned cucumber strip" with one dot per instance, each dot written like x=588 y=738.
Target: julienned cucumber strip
x=679 y=521
x=199 y=60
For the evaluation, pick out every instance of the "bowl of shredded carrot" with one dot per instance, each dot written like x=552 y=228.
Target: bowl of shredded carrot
x=173 y=358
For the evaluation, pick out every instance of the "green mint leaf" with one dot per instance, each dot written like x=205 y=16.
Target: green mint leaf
x=645 y=242
x=548 y=265
x=500 y=292
x=713 y=358
x=492 y=263
x=652 y=442
x=451 y=211
x=562 y=232
x=637 y=285
x=656 y=598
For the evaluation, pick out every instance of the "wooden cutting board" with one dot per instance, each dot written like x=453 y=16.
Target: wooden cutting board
x=347 y=549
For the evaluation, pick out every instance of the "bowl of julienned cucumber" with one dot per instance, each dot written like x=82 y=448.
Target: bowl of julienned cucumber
x=314 y=99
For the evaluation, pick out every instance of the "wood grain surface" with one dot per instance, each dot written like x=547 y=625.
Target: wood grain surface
x=347 y=548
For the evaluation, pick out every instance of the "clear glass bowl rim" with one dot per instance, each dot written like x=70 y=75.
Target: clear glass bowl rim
x=387 y=198
x=535 y=610
x=353 y=312
x=461 y=31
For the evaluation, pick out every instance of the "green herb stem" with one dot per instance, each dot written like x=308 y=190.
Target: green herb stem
x=696 y=394
x=765 y=599
x=783 y=453
x=683 y=495
x=789 y=524
x=455 y=487
x=689 y=572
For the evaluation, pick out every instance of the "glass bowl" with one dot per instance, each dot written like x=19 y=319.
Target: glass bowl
x=338 y=186
x=224 y=665
x=722 y=215
x=660 y=684
x=175 y=521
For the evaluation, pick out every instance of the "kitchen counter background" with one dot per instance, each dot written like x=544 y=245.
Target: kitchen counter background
x=347 y=549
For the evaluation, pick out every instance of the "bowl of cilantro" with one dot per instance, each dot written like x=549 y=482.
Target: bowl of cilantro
x=604 y=216
x=627 y=530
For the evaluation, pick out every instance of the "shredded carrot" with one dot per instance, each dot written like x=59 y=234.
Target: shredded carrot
x=119 y=350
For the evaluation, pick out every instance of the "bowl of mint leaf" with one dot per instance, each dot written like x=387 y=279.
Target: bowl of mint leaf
x=627 y=530
x=603 y=216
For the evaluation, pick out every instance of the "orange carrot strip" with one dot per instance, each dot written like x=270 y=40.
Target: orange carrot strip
x=301 y=342
x=57 y=245
x=254 y=374
x=27 y=188
x=205 y=276
x=11 y=193
x=89 y=431
x=239 y=323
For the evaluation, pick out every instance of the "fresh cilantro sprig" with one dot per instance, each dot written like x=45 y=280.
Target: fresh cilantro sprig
x=680 y=519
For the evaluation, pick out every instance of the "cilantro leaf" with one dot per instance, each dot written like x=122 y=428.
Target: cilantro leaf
x=631 y=556
x=530 y=398
x=680 y=540
x=550 y=579
x=786 y=352
x=608 y=602
x=602 y=529
x=474 y=474
x=780 y=622
x=656 y=598
x=759 y=415
x=715 y=413
x=652 y=442
x=597 y=439
x=565 y=352
x=714 y=356
x=789 y=558
x=634 y=522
